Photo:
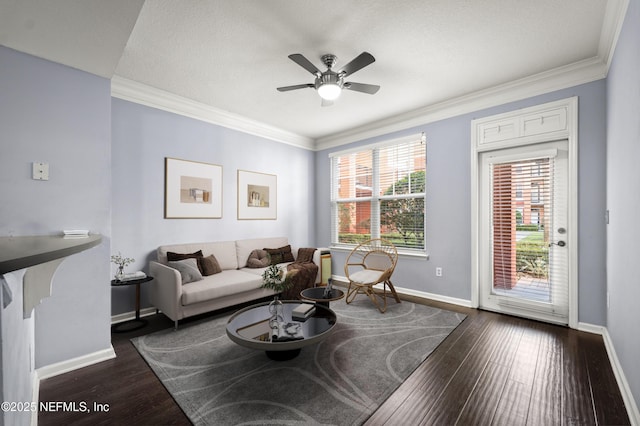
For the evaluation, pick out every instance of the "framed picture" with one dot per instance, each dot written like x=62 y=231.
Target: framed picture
x=192 y=189
x=257 y=195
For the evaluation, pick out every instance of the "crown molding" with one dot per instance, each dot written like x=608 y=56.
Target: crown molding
x=143 y=94
x=571 y=75
x=564 y=77
x=612 y=23
x=560 y=78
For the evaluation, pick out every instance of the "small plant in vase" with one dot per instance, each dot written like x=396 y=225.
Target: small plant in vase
x=121 y=261
x=277 y=280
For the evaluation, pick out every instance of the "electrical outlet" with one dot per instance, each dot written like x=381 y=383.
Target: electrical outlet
x=438 y=271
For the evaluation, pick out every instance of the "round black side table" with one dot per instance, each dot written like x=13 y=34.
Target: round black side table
x=136 y=323
x=316 y=294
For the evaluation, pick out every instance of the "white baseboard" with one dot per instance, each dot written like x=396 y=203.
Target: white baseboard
x=131 y=315
x=419 y=294
x=623 y=384
x=74 y=363
x=591 y=328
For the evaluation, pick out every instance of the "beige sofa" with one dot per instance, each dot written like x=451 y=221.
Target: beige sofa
x=235 y=284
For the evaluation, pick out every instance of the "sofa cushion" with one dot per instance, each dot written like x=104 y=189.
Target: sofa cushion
x=258 y=259
x=209 y=265
x=174 y=257
x=225 y=283
x=245 y=247
x=225 y=252
x=280 y=254
x=188 y=269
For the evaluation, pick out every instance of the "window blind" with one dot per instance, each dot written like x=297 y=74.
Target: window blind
x=378 y=192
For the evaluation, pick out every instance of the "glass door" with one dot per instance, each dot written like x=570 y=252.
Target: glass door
x=523 y=230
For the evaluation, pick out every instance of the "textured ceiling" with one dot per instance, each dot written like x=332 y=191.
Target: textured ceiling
x=232 y=54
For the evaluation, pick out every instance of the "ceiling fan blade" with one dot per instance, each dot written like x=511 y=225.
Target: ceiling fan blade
x=361 y=61
x=326 y=103
x=361 y=87
x=304 y=63
x=297 y=86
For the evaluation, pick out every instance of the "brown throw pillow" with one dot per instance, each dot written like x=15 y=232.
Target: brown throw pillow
x=280 y=255
x=175 y=257
x=258 y=259
x=305 y=255
x=209 y=265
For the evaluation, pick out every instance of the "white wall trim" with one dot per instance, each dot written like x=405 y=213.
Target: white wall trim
x=611 y=27
x=35 y=396
x=75 y=363
x=416 y=293
x=623 y=384
x=581 y=72
x=591 y=328
x=571 y=75
x=127 y=316
x=139 y=93
x=478 y=146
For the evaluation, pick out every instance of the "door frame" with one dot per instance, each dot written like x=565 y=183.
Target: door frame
x=538 y=124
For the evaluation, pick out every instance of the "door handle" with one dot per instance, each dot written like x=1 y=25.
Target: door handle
x=559 y=244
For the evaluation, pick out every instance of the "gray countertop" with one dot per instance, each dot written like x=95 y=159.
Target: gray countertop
x=22 y=252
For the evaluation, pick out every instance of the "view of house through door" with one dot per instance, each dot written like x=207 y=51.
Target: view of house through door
x=523 y=231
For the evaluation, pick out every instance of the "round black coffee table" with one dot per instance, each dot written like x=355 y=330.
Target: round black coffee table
x=316 y=294
x=250 y=327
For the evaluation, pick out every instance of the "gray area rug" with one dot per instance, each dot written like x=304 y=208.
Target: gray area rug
x=340 y=381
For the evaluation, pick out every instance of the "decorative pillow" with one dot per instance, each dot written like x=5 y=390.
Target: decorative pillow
x=259 y=259
x=174 y=257
x=280 y=255
x=209 y=265
x=305 y=255
x=188 y=269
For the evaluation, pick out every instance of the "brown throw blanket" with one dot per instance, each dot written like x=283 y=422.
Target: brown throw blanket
x=303 y=275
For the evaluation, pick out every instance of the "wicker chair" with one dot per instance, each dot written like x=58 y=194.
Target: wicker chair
x=371 y=263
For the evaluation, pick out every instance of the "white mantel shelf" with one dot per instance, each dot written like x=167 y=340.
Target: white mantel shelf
x=40 y=256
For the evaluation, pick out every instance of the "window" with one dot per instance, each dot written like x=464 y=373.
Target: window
x=379 y=192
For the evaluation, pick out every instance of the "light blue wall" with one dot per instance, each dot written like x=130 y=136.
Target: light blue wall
x=58 y=115
x=448 y=203
x=623 y=197
x=144 y=136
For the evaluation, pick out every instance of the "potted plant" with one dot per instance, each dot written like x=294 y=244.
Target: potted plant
x=278 y=280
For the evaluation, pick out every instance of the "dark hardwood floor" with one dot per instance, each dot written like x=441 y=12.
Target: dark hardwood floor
x=492 y=370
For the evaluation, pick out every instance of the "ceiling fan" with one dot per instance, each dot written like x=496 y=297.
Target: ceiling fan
x=329 y=84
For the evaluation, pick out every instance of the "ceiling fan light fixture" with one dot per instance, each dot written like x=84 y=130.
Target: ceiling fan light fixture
x=329 y=91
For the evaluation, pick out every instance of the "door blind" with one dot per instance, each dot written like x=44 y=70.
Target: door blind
x=529 y=268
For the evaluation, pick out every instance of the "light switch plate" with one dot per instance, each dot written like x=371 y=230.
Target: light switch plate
x=41 y=171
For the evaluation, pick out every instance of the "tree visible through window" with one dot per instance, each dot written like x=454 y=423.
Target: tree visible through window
x=379 y=191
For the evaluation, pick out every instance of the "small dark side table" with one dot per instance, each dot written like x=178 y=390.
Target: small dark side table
x=316 y=294
x=136 y=323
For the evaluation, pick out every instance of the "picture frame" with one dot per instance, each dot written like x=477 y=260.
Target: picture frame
x=192 y=189
x=257 y=196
